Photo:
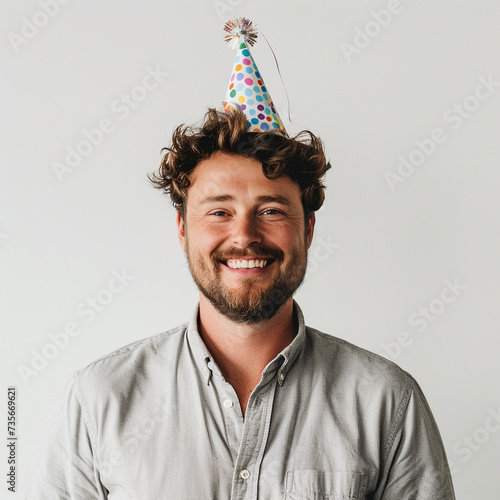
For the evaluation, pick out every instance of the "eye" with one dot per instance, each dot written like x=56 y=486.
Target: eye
x=272 y=211
x=219 y=213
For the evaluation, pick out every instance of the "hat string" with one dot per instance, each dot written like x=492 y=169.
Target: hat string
x=279 y=73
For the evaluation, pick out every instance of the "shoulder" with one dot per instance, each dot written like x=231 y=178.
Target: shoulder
x=140 y=358
x=354 y=367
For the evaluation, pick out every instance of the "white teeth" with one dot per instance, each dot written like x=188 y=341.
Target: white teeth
x=245 y=264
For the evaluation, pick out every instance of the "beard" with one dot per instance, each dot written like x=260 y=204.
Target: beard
x=250 y=303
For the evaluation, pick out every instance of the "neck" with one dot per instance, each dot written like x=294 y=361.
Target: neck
x=242 y=351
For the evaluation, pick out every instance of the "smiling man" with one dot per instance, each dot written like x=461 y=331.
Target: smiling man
x=246 y=238
x=249 y=236
x=244 y=401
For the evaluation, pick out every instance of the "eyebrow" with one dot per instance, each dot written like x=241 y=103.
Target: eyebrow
x=261 y=199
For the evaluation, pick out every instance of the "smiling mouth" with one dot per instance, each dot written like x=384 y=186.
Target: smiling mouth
x=247 y=263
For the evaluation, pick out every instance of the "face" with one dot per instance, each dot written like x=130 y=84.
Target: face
x=245 y=237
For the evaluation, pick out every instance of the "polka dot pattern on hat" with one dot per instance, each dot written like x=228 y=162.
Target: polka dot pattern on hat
x=248 y=93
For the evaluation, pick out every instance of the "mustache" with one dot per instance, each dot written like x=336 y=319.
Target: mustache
x=234 y=253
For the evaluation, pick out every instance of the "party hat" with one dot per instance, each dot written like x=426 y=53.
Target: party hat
x=247 y=91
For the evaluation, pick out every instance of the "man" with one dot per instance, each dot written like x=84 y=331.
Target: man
x=243 y=401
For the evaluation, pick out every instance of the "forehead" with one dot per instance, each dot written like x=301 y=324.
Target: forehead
x=224 y=173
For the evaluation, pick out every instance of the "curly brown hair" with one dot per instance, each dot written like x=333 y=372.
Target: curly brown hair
x=301 y=158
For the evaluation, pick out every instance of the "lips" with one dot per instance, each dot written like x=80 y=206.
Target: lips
x=242 y=260
x=248 y=263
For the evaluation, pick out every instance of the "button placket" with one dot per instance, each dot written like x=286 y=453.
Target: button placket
x=253 y=442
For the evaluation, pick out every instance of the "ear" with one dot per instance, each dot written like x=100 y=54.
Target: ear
x=310 y=229
x=181 y=231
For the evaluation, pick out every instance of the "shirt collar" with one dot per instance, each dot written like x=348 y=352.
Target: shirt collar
x=281 y=363
x=198 y=348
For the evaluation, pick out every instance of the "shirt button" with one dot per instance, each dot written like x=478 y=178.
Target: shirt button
x=227 y=403
x=244 y=474
x=282 y=376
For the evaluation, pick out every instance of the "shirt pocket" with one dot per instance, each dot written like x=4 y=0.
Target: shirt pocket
x=324 y=485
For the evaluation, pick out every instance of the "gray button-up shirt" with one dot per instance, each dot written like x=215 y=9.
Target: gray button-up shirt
x=157 y=420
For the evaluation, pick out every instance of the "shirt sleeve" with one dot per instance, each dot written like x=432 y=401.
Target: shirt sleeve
x=416 y=465
x=66 y=465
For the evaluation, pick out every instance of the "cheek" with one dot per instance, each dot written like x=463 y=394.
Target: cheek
x=205 y=239
x=290 y=237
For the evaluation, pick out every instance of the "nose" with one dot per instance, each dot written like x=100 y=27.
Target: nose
x=245 y=231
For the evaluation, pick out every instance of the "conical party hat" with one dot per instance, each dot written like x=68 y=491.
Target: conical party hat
x=246 y=90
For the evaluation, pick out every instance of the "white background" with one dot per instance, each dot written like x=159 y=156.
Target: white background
x=379 y=254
